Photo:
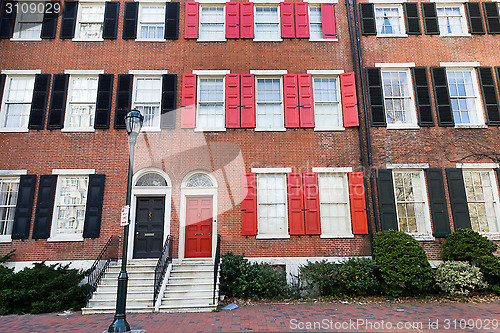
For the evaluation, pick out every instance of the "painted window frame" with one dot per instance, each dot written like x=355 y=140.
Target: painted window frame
x=14 y=175
x=267 y=5
x=138 y=104
x=67 y=118
x=463 y=19
x=282 y=103
x=401 y=19
x=317 y=126
x=79 y=22
x=17 y=32
x=141 y=21
x=223 y=23
x=4 y=103
x=198 y=127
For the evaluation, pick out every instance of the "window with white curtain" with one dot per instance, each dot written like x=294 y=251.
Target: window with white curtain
x=327 y=110
x=269 y=100
x=28 y=22
x=398 y=97
x=90 y=21
x=151 y=22
x=212 y=20
x=81 y=102
x=71 y=200
x=16 y=104
x=9 y=187
x=451 y=20
x=147 y=99
x=389 y=20
x=211 y=114
x=334 y=204
x=272 y=205
x=267 y=23
x=315 y=23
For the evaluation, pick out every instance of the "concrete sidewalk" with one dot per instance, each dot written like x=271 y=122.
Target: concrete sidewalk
x=406 y=317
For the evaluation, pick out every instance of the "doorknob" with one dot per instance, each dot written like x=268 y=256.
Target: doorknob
x=137 y=232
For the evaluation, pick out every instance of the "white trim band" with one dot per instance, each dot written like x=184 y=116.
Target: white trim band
x=333 y=169
x=271 y=170
x=73 y=171
x=13 y=172
x=395 y=65
x=211 y=72
x=84 y=72
x=147 y=72
x=407 y=166
x=21 y=72
x=268 y=72
x=326 y=72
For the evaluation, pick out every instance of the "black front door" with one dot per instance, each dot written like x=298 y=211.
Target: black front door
x=148 y=240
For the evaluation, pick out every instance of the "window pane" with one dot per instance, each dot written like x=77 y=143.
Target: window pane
x=410 y=201
x=450 y=20
x=267 y=23
x=9 y=187
x=271 y=199
x=269 y=105
x=82 y=99
x=315 y=24
x=481 y=202
x=152 y=22
x=397 y=97
x=463 y=97
x=211 y=103
x=334 y=208
x=212 y=23
x=17 y=102
x=326 y=108
x=388 y=21
x=71 y=204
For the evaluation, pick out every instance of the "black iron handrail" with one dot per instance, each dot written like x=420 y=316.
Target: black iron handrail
x=161 y=265
x=216 y=264
x=108 y=253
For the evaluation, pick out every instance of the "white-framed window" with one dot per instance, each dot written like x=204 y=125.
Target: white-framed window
x=212 y=23
x=147 y=99
x=81 y=106
x=389 y=20
x=69 y=208
x=16 y=102
x=464 y=95
x=399 y=100
x=211 y=107
x=327 y=108
x=9 y=187
x=451 y=19
x=412 y=207
x=269 y=103
x=482 y=200
x=151 y=22
x=28 y=22
x=90 y=21
x=334 y=204
x=315 y=23
x=267 y=23
x=272 y=214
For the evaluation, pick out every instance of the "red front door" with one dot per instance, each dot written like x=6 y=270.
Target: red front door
x=198 y=227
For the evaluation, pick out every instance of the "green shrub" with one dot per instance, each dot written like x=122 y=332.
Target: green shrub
x=403 y=264
x=466 y=245
x=41 y=289
x=459 y=278
x=321 y=277
x=490 y=267
x=240 y=278
x=359 y=276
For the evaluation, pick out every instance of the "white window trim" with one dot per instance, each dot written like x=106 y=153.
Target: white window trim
x=21 y=72
x=463 y=18
x=211 y=72
x=402 y=23
x=339 y=97
x=321 y=1
x=73 y=172
x=3 y=101
x=473 y=166
x=401 y=65
x=134 y=91
x=213 y=1
x=83 y=72
x=464 y=65
x=407 y=166
x=66 y=127
x=79 y=18
x=326 y=72
x=277 y=129
x=332 y=169
x=8 y=173
x=421 y=236
x=16 y=29
x=138 y=31
x=268 y=72
x=317 y=4
x=267 y=3
x=147 y=72
x=212 y=4
x=197 y=122
x=271 y=170
x=5 y=238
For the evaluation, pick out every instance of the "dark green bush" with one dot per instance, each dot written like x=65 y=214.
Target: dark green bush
x=490 y=267
x=240 y=278
x=403 y=264
x=321 y=277
x=359 y=276
x=41 y=289
x=466 y=245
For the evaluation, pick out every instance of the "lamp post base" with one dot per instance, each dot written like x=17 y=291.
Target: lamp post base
x=119 y=325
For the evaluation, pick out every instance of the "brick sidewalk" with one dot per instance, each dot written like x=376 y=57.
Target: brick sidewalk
x=279 y=318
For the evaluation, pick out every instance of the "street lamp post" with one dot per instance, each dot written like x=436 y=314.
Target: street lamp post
x=133 y=124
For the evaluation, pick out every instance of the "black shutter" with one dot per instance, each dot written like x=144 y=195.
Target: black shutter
x=498 y=176
x=58 y=101
x=490 y=97
x=475 y=18
x=130 y=20
x=423 y=96
x=367 y=15
x=2 y=84
x=375 y=97
x=110 y=25
x=442 y=96
x=429 y=14
x=172 y=20
x=103 y=103
x=24 y=207
x=8 y=19
x=492 y=17
x=93 y=211
x=123 y=99
x=458 y=199
x=168 y=100
x=69 y=19
x=44 y=206
x=39 y=101
x=386 y=202
x=437 y=202
x=412 y=18
x=49 y=23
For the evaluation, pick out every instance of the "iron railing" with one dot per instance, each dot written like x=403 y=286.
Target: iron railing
x=108 y=253
x=161 y=265
x=216 y=264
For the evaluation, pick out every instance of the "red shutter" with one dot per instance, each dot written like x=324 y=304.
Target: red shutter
x=349 y=99
x=295 y=204
x=306 y=100
x=246 y=20
x=301 y=20
x=287 y=20
x=249 y=204
x=328 y=20
x=358 y=203
x=291 y=100
x=232 y=20
x=311 y=203
x=188 y=100
x=232 y=100
x=247 y=101
x=191 y=17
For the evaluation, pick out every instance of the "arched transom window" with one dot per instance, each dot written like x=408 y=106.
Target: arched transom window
x=151 y=179
x=199 y=180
